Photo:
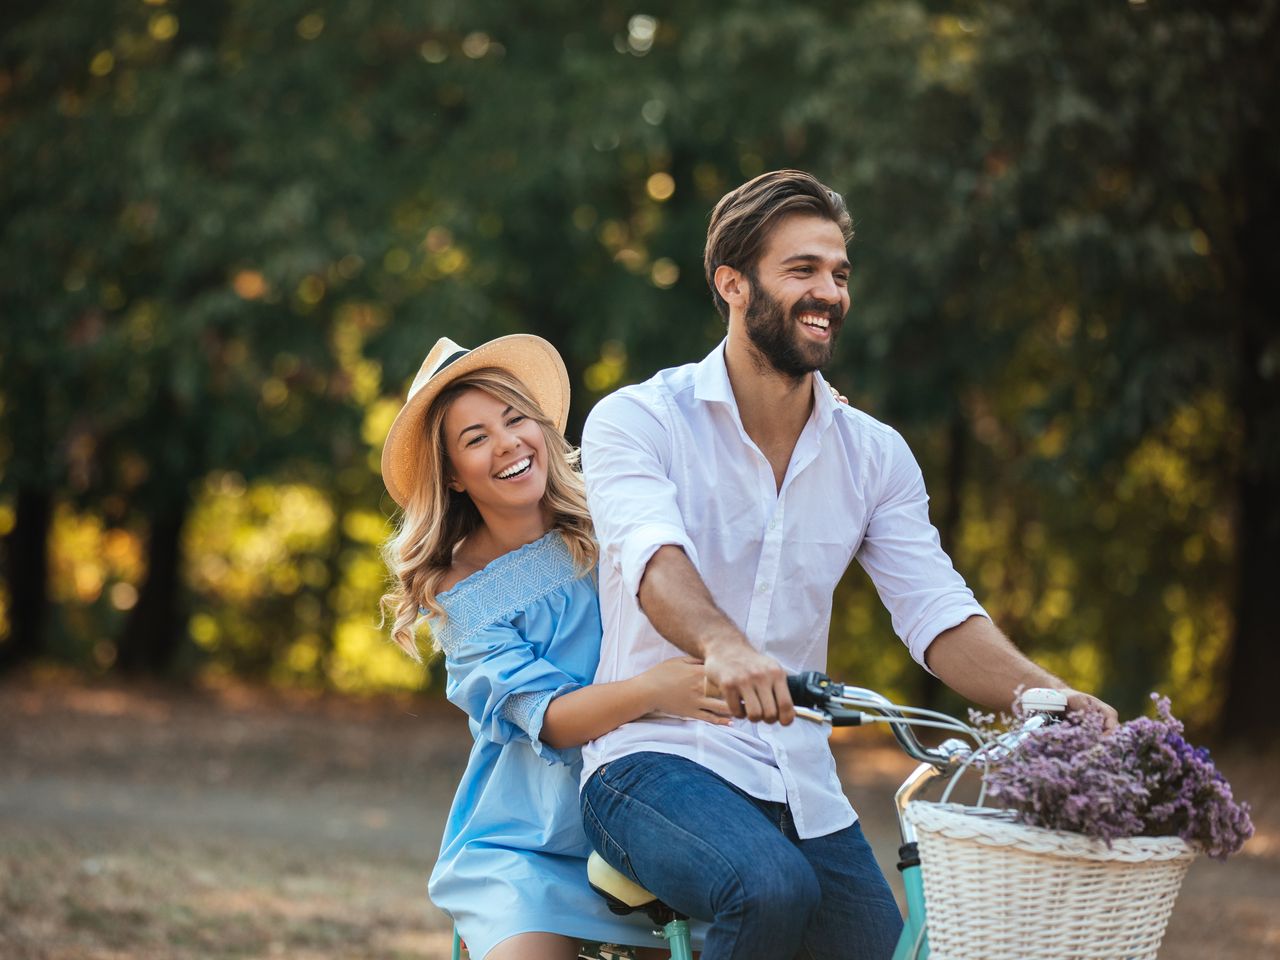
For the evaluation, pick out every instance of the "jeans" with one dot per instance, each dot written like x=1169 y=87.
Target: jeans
x=717 y=854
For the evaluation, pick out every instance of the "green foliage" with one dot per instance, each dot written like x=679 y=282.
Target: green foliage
x=232 y=235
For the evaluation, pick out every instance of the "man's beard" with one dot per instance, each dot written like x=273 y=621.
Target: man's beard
x=776 y=337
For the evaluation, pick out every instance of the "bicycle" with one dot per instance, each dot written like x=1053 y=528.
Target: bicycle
x=819 y=699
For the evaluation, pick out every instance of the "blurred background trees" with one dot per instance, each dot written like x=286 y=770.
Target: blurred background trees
x=231 y=233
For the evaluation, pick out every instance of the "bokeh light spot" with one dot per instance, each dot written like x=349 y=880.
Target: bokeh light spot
x=664 y=273
x=124 y=596
x=249 y=284
x=103 y=62
x=311 y=290
x=311 y=26
x=641 y=30
x=653 y=111
x=660 y=186
x=163 y=26
x=475 y=45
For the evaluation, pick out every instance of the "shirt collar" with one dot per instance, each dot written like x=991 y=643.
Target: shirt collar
x=711 y=384
x=711 y=379
x=824 y=404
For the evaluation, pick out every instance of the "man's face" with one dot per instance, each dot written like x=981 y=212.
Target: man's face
x=799 y=295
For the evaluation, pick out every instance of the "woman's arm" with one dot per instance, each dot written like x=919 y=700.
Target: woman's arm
x=673 y=687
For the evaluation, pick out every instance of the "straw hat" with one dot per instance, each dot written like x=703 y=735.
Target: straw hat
x=531 y=360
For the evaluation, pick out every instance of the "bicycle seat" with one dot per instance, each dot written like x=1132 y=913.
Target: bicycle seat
x=622 y=894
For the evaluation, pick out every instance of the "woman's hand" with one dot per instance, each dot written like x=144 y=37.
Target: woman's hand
x=676 y=688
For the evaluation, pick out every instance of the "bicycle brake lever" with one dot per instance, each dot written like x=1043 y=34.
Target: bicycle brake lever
x=836 y=716
x=808 y=713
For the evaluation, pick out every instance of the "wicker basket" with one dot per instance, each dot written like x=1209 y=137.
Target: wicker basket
x=998 y=890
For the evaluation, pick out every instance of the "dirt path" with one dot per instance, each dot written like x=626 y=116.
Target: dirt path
x=152 y=824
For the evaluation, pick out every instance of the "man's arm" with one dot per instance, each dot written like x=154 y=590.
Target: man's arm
x=978 y=662
x=625 y=451
x=679 y=605
x=933 y=611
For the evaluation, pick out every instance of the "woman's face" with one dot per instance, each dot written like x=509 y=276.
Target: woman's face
x=497 y=456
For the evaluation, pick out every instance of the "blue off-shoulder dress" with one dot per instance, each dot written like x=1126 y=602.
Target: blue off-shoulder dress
x=520 y=632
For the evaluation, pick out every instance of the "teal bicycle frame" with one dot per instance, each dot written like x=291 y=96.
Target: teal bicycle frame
x=676 y=933
x=914 y=942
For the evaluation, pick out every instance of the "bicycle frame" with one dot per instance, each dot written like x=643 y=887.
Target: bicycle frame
x=913 y=944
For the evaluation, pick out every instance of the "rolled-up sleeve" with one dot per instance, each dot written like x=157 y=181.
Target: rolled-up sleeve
x=903 y=555
x=497 y=678
x=626 y=453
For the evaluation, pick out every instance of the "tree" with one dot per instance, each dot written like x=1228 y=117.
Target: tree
x=201 y=191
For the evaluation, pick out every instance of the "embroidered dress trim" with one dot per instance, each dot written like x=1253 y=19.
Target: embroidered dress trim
x=503 y=588
x=520 y=708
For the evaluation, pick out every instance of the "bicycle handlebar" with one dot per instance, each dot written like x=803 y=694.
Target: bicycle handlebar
x=818 y=697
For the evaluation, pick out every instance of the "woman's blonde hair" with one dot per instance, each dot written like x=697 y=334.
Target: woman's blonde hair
x=436 y=518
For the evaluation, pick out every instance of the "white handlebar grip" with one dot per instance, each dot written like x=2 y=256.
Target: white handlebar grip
x=1043 y=700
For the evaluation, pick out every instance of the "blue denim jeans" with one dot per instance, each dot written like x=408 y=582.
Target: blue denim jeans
x=717 y=854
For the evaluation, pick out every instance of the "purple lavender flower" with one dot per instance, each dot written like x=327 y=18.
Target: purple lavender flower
x=1144 y=779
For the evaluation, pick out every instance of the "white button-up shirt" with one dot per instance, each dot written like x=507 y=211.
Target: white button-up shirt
x=668 y=462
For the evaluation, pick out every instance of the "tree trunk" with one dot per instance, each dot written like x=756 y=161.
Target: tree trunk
x=26 y=560
x=156 y=627
x=1254 y=662
x=957 y=467
x=1248 y=712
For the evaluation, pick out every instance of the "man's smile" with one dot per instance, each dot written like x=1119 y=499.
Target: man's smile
x=818 y=322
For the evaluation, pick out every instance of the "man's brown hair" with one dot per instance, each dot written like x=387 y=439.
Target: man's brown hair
x=744 y=218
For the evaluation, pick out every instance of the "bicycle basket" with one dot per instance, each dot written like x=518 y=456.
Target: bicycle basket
x=999 y=890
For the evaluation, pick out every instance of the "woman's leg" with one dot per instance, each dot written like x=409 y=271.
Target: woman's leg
x=535 y=946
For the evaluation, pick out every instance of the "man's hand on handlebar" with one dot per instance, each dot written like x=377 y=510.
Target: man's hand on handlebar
x=1078 y=702
x=753 y=684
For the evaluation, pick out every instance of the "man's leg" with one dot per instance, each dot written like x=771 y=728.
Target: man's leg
x=706 y=849
x=858 y=918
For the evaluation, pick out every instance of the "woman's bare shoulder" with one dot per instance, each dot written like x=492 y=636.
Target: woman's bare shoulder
x=457 y=573
x=466 y=561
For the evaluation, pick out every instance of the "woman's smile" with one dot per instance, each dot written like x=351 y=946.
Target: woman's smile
x=518 y=469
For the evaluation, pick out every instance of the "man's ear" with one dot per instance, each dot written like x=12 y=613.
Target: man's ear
x=732 y=284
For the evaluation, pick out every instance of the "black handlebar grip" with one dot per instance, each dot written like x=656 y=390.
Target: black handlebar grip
x=808 y=689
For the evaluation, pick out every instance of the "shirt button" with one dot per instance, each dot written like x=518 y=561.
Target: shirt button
x=762 y=589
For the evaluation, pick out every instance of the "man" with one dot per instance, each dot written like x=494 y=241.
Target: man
x=729 y=497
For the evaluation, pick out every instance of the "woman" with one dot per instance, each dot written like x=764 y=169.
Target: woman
x=495 y=547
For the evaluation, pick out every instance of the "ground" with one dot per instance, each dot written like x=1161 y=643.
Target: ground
x=231 y=822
